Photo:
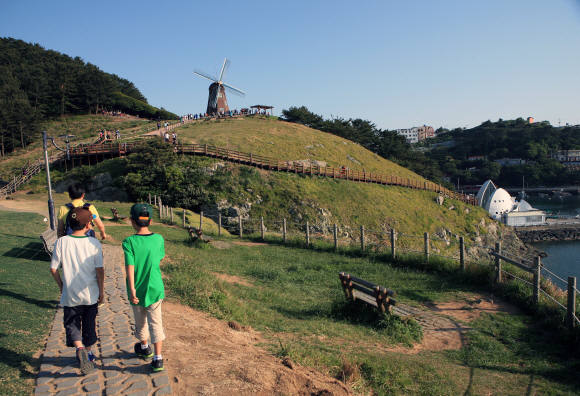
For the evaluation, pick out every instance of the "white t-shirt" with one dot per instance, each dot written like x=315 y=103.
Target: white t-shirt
x=79 y=258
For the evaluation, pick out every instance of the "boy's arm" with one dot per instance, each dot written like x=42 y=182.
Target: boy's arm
x=101 y=281
x=56 y=276
x=130 y=270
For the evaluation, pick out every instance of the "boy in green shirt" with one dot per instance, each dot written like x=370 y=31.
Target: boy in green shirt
x=143 y=253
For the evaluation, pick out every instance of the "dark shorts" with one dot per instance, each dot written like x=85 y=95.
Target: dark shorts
x=79 y=324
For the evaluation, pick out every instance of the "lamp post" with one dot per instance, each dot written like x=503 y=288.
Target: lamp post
x=47 y=165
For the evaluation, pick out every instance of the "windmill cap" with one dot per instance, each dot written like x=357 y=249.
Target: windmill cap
x=141 y=211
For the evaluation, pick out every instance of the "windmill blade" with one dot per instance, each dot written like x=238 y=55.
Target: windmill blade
x=235 y=91
x=204 y=75
x=225 y=69
x=214 y=96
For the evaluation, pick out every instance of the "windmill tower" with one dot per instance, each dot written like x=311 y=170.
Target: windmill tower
x=217 y=102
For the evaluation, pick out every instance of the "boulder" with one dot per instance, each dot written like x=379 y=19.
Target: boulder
x=439 y=200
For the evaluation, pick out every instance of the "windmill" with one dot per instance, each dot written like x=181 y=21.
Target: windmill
x=217 y=102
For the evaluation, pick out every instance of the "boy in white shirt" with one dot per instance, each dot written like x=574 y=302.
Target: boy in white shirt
x=82 y=286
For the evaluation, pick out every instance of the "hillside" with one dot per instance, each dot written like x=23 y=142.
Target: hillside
x=289 y=141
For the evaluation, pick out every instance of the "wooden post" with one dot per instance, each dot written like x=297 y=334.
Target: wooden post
x=171 y=215
x=335 y=237
x=362 y=238
x=219 y=223
x=571 y=306
x=427 y=246
x=240 y=224
x=183 y=218
x=393 y=251
x=149 y=197
x=156 y=201
x=462 y=253
x=537 y=266
x=262 y=230
x=284 y=230
x=497 y=277
x=200 y=220
x=307 y=234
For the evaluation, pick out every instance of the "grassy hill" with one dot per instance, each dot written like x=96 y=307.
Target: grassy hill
x=288 y=141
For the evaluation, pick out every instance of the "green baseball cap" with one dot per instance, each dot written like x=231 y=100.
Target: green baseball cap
x=141 y=211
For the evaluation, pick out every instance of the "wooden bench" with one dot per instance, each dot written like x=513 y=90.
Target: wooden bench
x=48 y=239
x=116 y=215
x=379 y=297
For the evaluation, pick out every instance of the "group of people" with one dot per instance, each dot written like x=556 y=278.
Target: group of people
x=80 y=256
x=173 y=137
x=115 y=113
x=106 y=135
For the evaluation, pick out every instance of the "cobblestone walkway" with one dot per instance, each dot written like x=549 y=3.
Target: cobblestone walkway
x=118 y=371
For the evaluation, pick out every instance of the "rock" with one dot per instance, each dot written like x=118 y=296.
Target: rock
x=258 y=200
x=107 y=194
x=100 y=181
x=452 y=207
x=439 y=200
x=350 y=158
x=467 y=210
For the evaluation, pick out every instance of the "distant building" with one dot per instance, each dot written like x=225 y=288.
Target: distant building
x=447 y=177
x=510 y=161
x=502 y=206
x=566 y=155
x=477 y=157
x=409 y=134
x=416 y=134
x=530 y=120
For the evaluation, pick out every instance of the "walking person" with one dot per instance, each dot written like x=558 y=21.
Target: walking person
x=81 y=285
x=143 y=253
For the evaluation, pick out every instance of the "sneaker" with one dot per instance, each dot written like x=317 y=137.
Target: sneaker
x=85 y=364
x=157 y=365
x=92 y=357
x=143 y=353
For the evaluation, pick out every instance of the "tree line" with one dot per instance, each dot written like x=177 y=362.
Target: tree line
x=387 y=144
x=38 y=84
x=533 y=143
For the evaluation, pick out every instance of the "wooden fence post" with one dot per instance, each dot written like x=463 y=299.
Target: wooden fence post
x=362 y=238
x=171 y=215
x=537 y=266
x=240 y=224
x=284 y=230
x=262 y=230
x=219 y=223
x=462 y=253
x=155 y=200
x=200 y=220
x=183 y=218
x=335 y=237
x=571 y=306
x=426 y=236
x=497 y=277
x=149 y=194
x=307 y=234
x=393 y=251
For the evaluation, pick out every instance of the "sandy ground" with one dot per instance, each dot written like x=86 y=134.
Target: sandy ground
x=205 y=356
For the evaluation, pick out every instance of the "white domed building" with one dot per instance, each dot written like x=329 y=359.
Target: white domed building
x=503 y=207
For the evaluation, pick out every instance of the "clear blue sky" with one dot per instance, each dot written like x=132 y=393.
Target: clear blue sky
x=397 y=63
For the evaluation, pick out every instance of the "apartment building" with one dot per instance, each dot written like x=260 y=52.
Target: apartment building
x=416 y=134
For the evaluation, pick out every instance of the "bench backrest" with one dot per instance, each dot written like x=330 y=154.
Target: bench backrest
x=384 y=299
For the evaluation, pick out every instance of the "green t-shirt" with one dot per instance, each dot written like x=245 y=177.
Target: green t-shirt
x=145 y=252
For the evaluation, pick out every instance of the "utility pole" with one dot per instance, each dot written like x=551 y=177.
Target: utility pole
x=47 y=165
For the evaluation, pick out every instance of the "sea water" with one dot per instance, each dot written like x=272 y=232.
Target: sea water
x=563 y=256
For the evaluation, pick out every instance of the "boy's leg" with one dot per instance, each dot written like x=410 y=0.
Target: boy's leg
x=141 y=331
x=89 y=326
x=72 y=326
x=157 y=335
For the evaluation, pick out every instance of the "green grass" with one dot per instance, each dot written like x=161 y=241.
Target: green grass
x=293 y=296
x=288 y=141
x=28 y=297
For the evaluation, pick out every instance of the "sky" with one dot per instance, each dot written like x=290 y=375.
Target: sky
x=397 y=63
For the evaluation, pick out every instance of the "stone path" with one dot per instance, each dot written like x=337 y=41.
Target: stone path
x=118 y=370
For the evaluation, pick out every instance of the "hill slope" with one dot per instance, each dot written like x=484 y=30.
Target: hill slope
x=288 y=141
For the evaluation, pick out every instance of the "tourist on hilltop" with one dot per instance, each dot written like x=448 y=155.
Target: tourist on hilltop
x=158 y=125
x=108 y=135
x=117 y=134
x=143 y=253
x=166 y=137
x=81 y=286
x=174 y=136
